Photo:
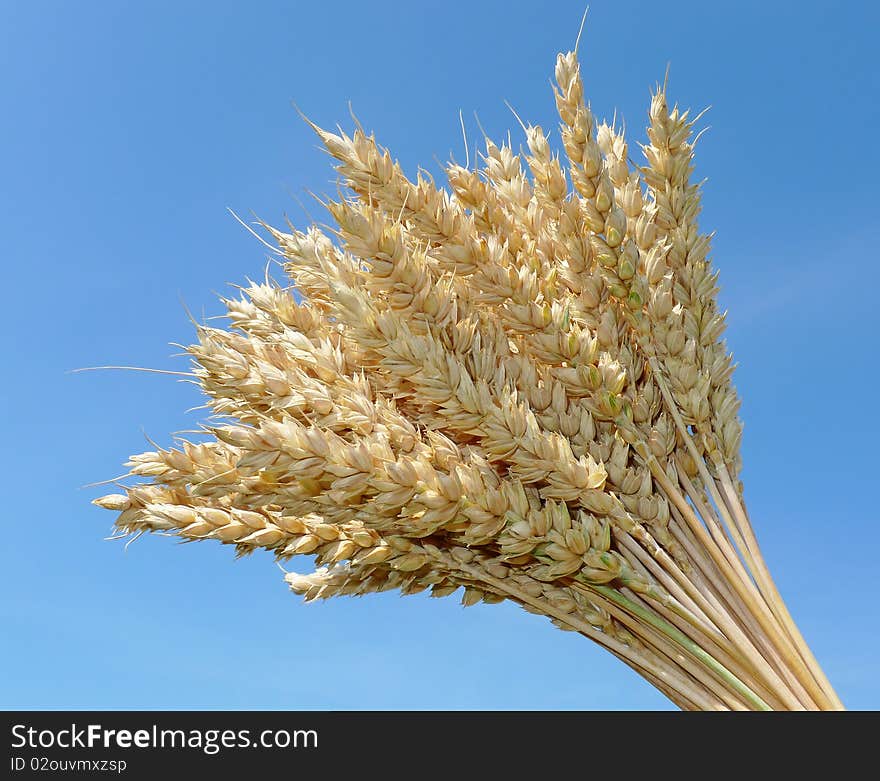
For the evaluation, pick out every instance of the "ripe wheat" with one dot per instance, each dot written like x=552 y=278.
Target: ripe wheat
x=512 y=388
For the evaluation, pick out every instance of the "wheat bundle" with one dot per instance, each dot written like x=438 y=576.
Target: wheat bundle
x=517 y=387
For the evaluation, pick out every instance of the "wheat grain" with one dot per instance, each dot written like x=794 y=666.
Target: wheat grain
x=507 y=389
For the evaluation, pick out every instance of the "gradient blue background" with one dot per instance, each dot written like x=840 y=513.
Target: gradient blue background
x=129 y=128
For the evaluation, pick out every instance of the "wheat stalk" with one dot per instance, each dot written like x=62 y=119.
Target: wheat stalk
x=514 y=387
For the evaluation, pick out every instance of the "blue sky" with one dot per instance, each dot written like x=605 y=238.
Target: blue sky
x=127 y=131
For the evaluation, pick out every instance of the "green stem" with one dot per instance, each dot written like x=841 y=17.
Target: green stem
x=685 y=642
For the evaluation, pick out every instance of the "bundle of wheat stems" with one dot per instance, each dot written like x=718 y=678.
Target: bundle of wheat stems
x=513 y=387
